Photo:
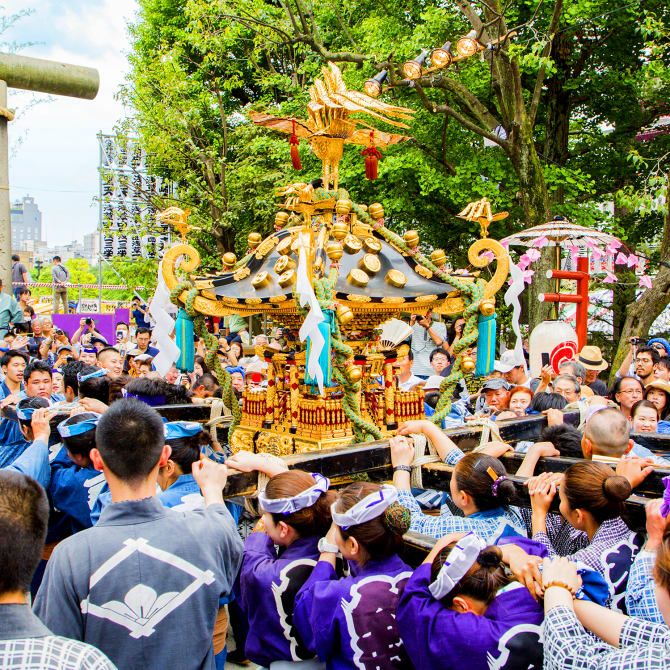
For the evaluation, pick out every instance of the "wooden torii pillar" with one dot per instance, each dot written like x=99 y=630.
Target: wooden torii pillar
x=41 y=76
x=580 y=298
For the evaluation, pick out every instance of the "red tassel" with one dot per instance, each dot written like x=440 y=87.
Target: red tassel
x=372 y=156
x=295 y=154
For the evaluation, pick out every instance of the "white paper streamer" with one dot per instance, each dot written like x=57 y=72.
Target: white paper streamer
x=160 y=309
x=310 y=327
x=512 y=298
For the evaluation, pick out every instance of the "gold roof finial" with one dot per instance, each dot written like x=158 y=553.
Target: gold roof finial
x=480 y=211
x=329 y=124
x=178 y=219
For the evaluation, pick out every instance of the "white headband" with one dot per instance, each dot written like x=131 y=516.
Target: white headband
x=370 y=507
x=295 y=503
x=461 y=558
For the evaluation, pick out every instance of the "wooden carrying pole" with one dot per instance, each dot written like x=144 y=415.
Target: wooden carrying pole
x=41 y=76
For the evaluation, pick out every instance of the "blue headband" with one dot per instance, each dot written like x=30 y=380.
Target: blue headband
x=26 y=413
x=67 y=429
x=236 y=368
x=174 y=430
x=90 y=350
x=91 y=375
x=58 y=370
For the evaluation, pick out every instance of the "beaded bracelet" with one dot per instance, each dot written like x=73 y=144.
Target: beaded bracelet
x=561 y=585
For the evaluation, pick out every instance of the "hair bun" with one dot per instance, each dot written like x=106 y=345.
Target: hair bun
x=397 y=518
x=490 y=557
x=616 y=488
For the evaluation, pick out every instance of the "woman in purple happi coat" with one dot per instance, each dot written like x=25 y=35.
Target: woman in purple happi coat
x=350 y=622
x=460 y=610
x=296 y=515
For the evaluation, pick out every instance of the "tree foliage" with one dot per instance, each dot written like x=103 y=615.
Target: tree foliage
x=572 y=88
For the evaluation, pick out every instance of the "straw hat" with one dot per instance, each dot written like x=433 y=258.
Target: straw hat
x=592 y=358
x=660 y=384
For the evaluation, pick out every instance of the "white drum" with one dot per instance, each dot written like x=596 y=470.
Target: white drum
x=551 y=343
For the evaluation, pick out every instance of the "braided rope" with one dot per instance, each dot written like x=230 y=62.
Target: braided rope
x=471 y=292
x=363 y=430
x=424 y=453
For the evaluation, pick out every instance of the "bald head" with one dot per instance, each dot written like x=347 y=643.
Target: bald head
x=608 y=430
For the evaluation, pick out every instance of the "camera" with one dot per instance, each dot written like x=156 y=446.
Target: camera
x=636 y=340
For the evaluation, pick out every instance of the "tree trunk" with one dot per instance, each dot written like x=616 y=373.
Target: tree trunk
x=641 y=313
x=558 y=108
x=535 y=201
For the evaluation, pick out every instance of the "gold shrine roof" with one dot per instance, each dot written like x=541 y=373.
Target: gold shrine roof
x=372 y=273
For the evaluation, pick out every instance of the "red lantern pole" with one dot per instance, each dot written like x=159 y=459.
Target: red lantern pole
x=295 y=154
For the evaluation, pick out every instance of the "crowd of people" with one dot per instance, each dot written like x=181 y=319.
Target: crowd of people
x=117 y=548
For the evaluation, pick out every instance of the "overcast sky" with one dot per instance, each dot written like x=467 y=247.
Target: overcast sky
x=53 y=146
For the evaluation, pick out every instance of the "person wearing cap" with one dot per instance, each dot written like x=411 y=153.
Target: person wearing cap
x=513 y=369
x=237 y=374
x=591 y=358
x=153 y=561
x=496 y=395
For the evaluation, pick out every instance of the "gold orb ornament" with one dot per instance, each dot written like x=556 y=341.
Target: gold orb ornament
x=467 y=364
x=343 y=207
x=354 y=373
x=254 y=239
x=281 y=219
x=487 y=307
x=438 y=257
x=344 y=314
x=411 y=238
x=334 y=250
x=376 y=210
x=339 y=230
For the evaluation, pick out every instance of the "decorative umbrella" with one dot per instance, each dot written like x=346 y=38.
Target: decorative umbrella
x=562 y=233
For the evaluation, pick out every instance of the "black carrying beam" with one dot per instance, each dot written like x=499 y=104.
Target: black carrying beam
x=374 y=459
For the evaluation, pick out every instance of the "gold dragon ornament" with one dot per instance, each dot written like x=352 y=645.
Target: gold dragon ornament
x=330 y=126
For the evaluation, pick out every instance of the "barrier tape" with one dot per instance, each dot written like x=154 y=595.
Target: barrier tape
x=67 y=285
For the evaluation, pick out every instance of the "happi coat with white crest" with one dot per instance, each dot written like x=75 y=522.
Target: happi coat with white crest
x=350 y=622
x=144 y=584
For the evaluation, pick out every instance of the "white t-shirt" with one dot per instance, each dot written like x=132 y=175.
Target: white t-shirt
x=409 y=384
x=423 y=346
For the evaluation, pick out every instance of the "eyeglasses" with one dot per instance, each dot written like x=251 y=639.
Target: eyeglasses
x=631 y=391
